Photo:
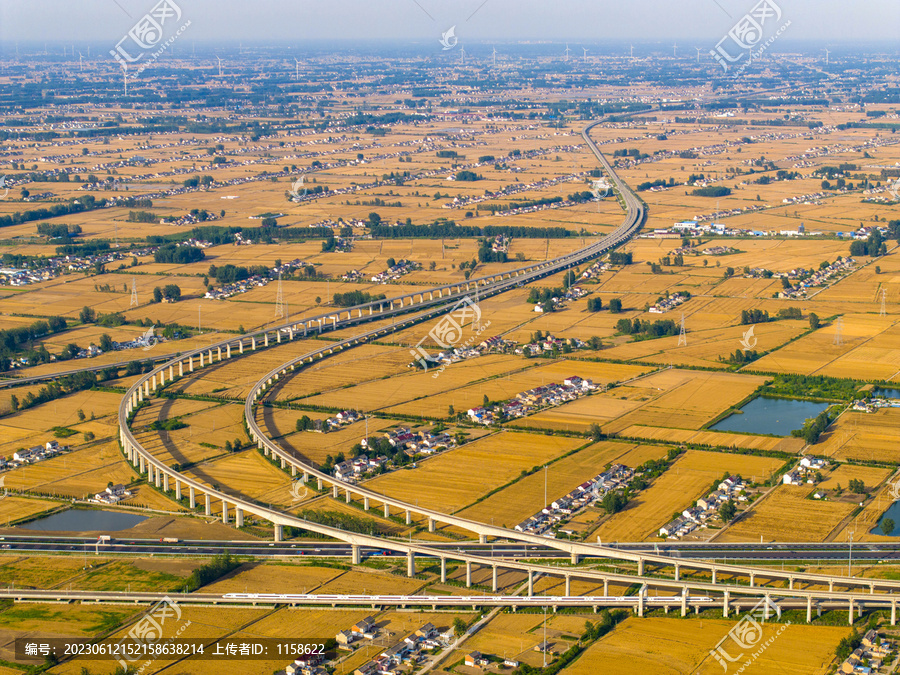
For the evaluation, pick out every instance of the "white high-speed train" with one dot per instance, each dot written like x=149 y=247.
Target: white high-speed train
x=438 y=599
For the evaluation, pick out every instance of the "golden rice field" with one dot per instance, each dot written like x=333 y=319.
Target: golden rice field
x=871 y=476
x=246 y=473
x=454 y=479
x=787 y=515
x=869 y=349
x=40 y=571
x=78 y=474
x=713 y=438
x=272 y=577
x=865 y=436
x=681 y=399
x=390 y=394
x=205 y=622
x=671 y=646
x=16 y=508
x=522 y=376
x=686 y=480
x=513 y=504
x=210 y=423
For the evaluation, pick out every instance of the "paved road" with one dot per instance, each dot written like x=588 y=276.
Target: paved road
x=768 y=552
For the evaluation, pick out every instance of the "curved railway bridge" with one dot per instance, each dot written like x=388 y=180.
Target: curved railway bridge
x=658 y=573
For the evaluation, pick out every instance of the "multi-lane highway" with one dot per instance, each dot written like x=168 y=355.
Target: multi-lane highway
x=771 y=552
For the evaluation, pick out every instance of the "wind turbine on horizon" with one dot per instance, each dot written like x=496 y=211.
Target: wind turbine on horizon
x=80 y=62
x=220 y=65
x=297 y=62
x=675 y=50
x=827 y=52
x=585 y=53
x=632 y=51
x=567 y=52
x=698 y=54
x=494 y=55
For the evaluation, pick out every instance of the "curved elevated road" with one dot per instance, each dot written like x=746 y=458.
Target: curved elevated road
x=162 y=474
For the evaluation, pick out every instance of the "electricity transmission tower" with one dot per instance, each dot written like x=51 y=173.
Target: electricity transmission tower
x=838 y=331
x=134 y=300
x=682 y=336
x=883 y=301
x=279 y=300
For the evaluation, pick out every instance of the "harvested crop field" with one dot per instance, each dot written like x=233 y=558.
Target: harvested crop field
x=685 y=481
x=787 y=515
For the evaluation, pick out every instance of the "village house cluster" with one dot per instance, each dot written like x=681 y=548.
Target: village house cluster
x=593 y=490
x=572 y=293
x=32 y=455
x=408 y=651
x=807 y=279
x=548 y=344
x=873 y=404
x=707 y=508
x=255 y=281
x=805 y=472
x=873 y=653
x=530 y=401
x=113 y=494
x=59 y=265
x=410 y=442
x=671 y=302
x=396 y=271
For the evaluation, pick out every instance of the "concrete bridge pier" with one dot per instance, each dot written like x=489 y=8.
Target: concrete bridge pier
x=725 y=604
x=365 y=503
x=482 y=538
x=354 y=549
x=443 y=570
x=238 y=517
x=893 y=612
x=387 y=510
x=494 y=580
x=279 y=532
x=318 y=483
x=530 y=583
x=808 y=609
x=347 y=496
x=468 y=574
x=165 y=482
x=410 y=564
x=408 y=517
x=224 y=512
x=192 y=497
x=684 y=592
x=568 y=586
x=850 y=613
x=208 y=506
x=677 y=572
x=431 y=524
x=177 y=490
x=334 y=491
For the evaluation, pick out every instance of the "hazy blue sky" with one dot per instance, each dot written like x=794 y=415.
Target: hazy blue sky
x=700 y=21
